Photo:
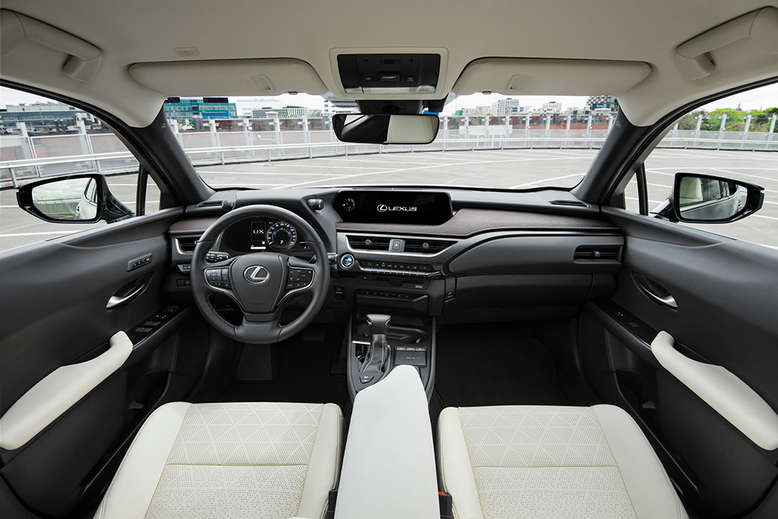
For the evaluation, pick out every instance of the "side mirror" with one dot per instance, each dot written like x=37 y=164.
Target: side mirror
x=72 y=199
x=385 y=128
x=707 y=199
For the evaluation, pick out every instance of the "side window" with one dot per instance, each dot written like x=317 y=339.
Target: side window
x=735 y=138
x=40 y=139
x=631 y=195
x=153 y=195
x=627 y=194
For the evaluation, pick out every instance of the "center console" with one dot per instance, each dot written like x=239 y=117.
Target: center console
x=396 y=282
x=379 y=342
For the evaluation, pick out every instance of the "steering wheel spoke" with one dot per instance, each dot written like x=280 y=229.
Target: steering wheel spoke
x=250 y=330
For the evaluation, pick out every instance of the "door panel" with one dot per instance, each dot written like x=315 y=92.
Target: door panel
x=53 y=307
x=725 y=292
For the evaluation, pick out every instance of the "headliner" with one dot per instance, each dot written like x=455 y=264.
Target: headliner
x=151 y=30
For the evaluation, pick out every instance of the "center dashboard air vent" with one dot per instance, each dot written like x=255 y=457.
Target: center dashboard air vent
x=407 y=245
x=598 y=253
x=424 y=246
x=368 y=242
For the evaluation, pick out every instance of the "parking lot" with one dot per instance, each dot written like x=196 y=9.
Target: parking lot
x=505 y=169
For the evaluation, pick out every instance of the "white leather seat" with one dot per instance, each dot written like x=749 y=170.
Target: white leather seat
x=551 y=462
x=229 y=460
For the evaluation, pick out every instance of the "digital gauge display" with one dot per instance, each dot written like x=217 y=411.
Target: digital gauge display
x=258 y=236
x=281 y=236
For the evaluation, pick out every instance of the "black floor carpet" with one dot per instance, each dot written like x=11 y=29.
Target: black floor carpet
x=490 y=364
x=476 y=365
x=302 y=369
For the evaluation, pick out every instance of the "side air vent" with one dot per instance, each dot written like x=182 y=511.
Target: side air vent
x=368 y=242
x=598 y=253
x=211 y=203
x=576 y=203
x=186 y=243
x=427 y=246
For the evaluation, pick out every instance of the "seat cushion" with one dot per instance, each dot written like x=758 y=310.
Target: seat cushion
x=551 y=462
x=229 y=460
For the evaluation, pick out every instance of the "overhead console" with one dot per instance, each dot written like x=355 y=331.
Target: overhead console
x=394 y=207
x=396 y=73
x=389 y=73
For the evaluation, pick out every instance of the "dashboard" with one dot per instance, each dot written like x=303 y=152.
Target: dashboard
x=459 y=255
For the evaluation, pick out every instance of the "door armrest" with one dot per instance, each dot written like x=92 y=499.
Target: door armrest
x=57 y=392
x=723 y=391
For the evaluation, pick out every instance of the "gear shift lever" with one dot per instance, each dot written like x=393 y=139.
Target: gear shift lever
x=377 y=355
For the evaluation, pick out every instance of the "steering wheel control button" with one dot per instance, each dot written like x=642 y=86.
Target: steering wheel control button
x=347 y=261
x=366 y=379
x=299 y=278
x=218 y=277
x=213 y=257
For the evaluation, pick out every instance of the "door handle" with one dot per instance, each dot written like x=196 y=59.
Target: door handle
x=118 y=300
x=654 y=291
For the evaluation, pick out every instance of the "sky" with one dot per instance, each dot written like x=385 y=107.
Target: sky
x=758 y=98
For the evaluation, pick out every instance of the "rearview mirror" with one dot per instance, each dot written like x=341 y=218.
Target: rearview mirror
x=708 y=199
x=72 y=199
x=386 y=128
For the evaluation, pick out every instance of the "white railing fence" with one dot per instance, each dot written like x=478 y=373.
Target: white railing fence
x=24 y=157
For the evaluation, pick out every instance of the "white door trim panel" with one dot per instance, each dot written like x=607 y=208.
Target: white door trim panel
x=723 y=391
x=57 y=392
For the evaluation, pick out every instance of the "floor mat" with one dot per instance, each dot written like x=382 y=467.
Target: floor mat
x=303 y=370
x=491 y=364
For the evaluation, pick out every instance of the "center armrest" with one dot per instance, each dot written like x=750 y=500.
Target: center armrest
x=389 y=462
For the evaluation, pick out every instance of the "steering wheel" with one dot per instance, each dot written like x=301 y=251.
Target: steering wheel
x=260 y=283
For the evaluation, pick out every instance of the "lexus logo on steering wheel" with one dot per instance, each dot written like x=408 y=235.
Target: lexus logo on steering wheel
x=256 y=274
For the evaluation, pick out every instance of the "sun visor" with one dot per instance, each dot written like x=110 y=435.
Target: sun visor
x=228 y=77
x=29 y=38
x=550 y=76
x=751 y=38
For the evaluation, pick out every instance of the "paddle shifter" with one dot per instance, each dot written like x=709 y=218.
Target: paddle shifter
x=377 y=356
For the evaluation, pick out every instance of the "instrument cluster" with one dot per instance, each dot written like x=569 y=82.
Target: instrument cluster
x=276 y=235
x=264 y=234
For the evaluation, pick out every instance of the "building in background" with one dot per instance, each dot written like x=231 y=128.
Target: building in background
x=506 y=106
x=187 y=110
x=285 y=112
x=602 y=103
x=294 y=111
x=46 y=118
x=552 y=107
x=477 y=111
x=266 y=112
x=340 y=106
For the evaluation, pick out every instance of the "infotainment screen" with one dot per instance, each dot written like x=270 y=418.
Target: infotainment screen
x=407 y=207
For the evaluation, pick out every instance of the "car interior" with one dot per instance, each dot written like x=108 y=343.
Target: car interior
x=389 y=351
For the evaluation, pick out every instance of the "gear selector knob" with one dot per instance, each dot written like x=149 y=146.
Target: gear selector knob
x=375 y=364
x=379 y=323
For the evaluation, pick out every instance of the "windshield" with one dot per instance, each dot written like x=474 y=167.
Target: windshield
x=485 y=141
